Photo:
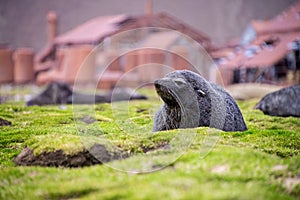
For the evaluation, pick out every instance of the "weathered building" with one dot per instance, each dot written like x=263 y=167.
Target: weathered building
x=268 y=51
x=122 y=43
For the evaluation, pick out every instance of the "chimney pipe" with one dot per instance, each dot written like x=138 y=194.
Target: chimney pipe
x=148 y=7
x=52 y=26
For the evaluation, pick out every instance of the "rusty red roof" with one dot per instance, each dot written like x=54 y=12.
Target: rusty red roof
x=92 y=31
x=272 y=42
x=288 y=20
x=262 y=55
x=95 y=30
x=271 y=55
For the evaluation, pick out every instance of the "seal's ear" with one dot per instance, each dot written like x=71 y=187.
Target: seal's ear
x=201 y=92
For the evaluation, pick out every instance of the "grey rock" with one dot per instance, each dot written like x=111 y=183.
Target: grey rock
x=191 y=101
x=55 y=93
x=284 y=102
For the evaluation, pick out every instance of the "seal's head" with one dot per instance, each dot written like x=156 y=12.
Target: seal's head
x=178 y=85
x=168 y=89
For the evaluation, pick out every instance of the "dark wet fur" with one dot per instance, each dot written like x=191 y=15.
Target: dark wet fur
x=205 y=93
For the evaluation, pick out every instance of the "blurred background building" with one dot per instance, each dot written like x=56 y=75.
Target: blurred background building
x=47 y=41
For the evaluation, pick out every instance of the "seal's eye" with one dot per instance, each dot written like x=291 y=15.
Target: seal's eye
x=179 y=81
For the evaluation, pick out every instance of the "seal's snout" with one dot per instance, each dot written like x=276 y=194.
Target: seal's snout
x=157 y=85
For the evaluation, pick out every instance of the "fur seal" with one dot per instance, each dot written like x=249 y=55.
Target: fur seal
x=61 y=93
x=191 y=101
x=284 y=102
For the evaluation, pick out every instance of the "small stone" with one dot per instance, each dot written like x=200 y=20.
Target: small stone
x=279 y=168
x=220 y=169
x=291 y=182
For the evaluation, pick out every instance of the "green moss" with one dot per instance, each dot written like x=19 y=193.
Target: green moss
x=199 y=163
x=247 y=176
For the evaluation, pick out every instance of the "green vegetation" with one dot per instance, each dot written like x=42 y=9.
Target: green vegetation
x=261 y=163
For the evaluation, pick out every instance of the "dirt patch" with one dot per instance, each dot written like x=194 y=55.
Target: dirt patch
x=4 y=122
x=97 y=154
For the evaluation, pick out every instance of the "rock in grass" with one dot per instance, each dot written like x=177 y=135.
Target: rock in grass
x=60 y=93
x=284 y=102
x=191 y=101
x=55 y=93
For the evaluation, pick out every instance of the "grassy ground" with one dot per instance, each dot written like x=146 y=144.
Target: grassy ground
x=202 y=163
